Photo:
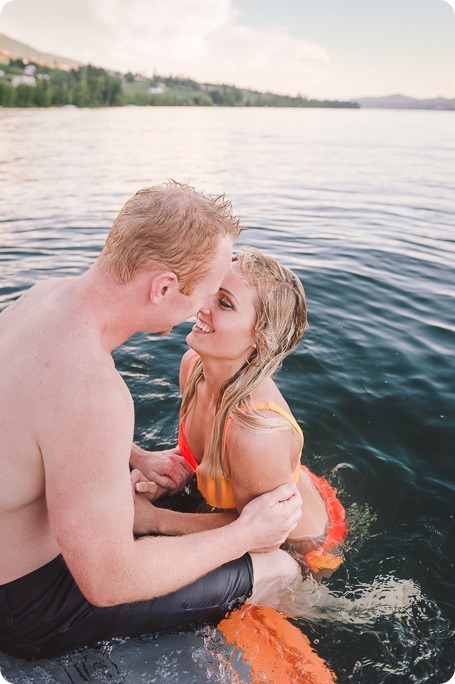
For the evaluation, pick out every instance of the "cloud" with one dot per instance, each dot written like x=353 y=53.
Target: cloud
x=165 y=30
x=198 y=38
x=266 y=58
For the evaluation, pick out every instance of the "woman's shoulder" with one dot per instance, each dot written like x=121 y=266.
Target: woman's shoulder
x=268 y=394
x=255 y=455
x=186 y=363
x=268 y=399
x=186 y=358
x=258 y=449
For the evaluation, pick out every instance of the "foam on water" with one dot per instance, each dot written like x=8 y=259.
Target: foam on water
x=362 y=605
x=214 y=661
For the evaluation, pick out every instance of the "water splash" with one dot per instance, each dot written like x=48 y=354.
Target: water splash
x=215 y=661
x=390 y=618
x=361 y=605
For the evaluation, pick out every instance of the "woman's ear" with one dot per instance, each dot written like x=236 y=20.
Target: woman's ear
x=162 y=285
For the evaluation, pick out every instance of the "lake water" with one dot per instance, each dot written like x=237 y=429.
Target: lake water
x=361 y=204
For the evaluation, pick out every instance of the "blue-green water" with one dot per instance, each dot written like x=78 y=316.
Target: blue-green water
x=362 y=205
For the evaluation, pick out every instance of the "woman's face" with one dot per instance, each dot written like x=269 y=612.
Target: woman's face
x=224 y=326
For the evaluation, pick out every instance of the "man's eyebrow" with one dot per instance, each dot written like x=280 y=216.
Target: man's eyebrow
x=223 y=289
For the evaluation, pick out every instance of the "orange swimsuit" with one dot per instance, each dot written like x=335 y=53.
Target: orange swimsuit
x=219 y=494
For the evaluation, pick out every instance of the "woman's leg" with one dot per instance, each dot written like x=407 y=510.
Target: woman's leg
x=276 y=574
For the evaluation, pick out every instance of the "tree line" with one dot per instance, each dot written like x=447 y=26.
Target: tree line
x=91 y=86
x=85 y=87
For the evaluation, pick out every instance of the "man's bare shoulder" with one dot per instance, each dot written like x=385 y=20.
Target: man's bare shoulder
x=30 y=296
x=85 y=394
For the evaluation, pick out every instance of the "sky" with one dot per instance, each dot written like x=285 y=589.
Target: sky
x=334 y=49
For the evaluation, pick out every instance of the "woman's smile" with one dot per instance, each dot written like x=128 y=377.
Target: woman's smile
x=201 y=327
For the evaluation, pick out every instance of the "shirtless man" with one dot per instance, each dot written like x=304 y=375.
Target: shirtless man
x=71 y=571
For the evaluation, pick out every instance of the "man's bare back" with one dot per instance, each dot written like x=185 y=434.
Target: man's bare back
x=45 y=349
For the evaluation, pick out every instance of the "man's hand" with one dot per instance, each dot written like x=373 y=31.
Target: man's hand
x=140 y=484
x=145 y=513
x=166 y=468
x=271 y=517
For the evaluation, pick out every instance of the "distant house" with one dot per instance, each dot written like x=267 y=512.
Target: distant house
x=157 y=89
x=43 y=77
x=2 y=73
x=23 y=80
x=30 y=70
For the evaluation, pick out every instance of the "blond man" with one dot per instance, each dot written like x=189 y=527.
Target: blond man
x=71 y=570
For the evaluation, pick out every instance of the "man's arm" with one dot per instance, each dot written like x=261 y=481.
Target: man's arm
x=259 y=463
x=91 y=509
x=152 y=520
x=149 y=519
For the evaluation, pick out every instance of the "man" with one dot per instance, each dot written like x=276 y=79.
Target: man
x=71 y=571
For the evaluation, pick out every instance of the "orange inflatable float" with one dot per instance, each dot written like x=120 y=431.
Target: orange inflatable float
x=275 y=651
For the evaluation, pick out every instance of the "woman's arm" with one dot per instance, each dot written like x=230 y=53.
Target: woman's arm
x=257 y=462
x=166 y=468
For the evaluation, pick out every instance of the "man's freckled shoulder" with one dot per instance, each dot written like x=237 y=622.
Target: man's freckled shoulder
x=77 y=372
x=95 y=398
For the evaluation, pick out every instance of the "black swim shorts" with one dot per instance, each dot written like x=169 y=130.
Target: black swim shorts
x=44 y=613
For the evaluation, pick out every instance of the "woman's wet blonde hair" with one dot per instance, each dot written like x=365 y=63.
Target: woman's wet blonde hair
x=170 y=224
x=281 y=319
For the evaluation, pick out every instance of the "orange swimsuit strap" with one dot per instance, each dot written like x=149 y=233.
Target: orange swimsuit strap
x=270 y=406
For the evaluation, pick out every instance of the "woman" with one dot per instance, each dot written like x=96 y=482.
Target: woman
x=237 y=434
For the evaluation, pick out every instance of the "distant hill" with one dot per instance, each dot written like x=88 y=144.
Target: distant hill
x=89 y=86
x=159 y=90
x=181 y=91
x=16 y=50
x=404 y=102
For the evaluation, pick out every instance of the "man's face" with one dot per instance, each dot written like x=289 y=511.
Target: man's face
x=186 y=306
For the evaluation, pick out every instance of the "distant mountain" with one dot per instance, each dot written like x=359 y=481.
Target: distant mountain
x=404 y=102
x=16 y=50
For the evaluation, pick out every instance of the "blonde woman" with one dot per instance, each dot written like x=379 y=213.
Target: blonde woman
x=237 y=434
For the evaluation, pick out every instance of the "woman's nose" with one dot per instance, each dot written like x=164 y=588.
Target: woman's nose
x=205 y=306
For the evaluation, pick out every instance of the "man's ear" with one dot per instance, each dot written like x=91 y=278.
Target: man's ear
x=161 y=285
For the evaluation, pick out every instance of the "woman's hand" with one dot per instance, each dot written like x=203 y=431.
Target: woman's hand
x=167 y=468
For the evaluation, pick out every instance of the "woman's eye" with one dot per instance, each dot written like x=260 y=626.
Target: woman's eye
x=224 y=303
